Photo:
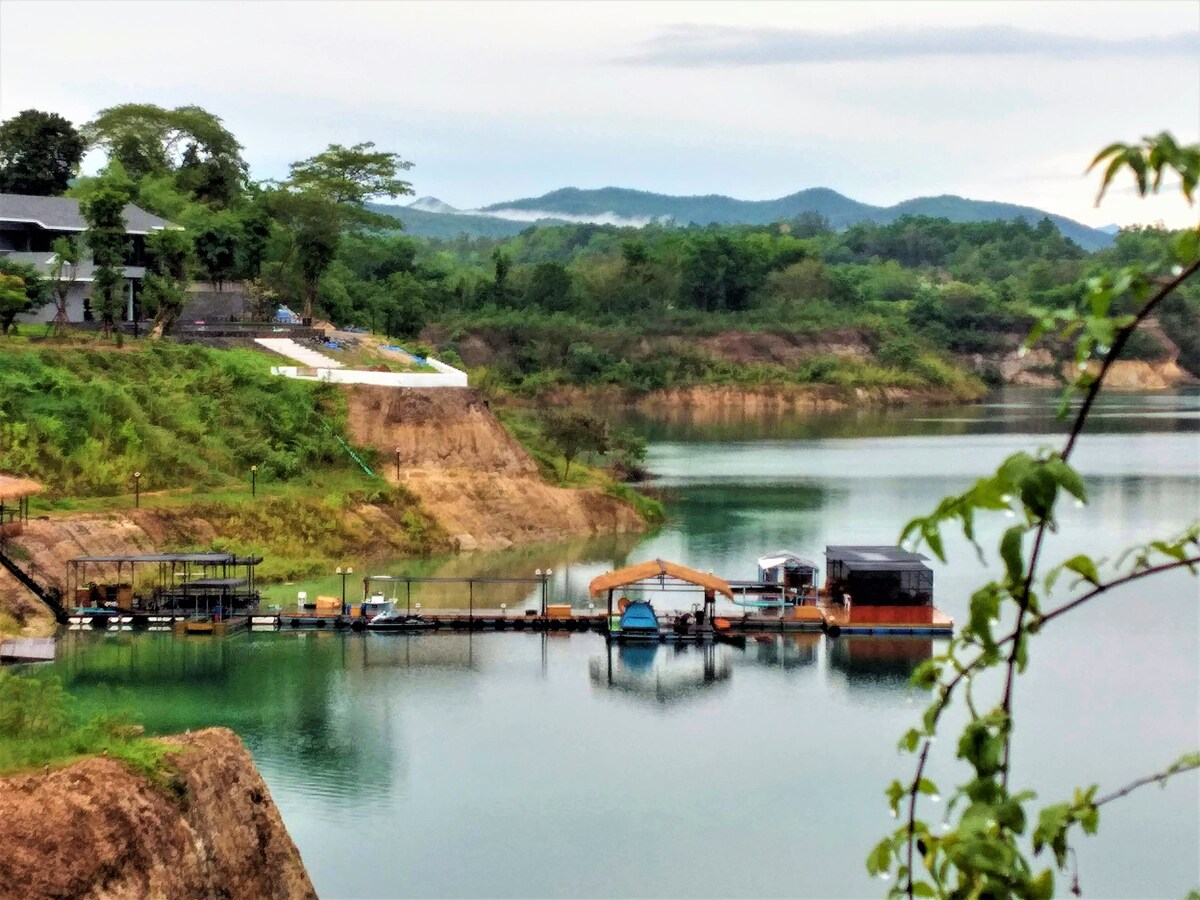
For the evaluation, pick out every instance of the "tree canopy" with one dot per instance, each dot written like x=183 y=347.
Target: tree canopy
x=39 y=153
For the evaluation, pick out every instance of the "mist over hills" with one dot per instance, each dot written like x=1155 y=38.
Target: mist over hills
x=430 y=217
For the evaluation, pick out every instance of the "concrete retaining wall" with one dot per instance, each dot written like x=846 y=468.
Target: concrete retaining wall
x=447 y=376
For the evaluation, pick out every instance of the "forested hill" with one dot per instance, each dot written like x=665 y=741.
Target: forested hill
x=623 y=206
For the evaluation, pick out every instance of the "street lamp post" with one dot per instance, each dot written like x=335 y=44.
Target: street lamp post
x=254 y=481
x=349 y=570
x=137 y=490
x=397 y=464
x=545 y=577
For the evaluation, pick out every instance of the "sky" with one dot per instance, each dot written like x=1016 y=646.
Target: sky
x=495 y=101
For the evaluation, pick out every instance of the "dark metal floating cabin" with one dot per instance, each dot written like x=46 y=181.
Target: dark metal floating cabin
x=878 y=575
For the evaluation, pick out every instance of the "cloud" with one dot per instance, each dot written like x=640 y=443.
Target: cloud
x=690 y=46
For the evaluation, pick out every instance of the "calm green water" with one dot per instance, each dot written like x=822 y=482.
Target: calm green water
x=531 y=765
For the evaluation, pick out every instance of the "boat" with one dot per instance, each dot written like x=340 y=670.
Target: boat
x=638 y=622
x=391 y=619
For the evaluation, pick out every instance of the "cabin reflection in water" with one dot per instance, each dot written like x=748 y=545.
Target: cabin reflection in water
x=872 y=661
x=661 y=673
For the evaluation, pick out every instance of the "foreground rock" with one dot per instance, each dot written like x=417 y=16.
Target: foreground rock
x=95 y=829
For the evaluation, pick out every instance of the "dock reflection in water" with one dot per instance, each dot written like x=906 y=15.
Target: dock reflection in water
x=660 y=673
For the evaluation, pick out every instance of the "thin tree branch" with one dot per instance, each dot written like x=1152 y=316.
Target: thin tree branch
x=1158 y=777
x=950 y=686
x=912 y=812
x=1111 y=357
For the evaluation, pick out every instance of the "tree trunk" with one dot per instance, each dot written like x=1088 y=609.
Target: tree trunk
x=310 y=299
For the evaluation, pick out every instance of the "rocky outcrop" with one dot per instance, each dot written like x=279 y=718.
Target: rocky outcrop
x=470 y=474
x=95 y=829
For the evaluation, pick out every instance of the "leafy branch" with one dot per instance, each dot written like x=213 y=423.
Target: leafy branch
x=982 y=856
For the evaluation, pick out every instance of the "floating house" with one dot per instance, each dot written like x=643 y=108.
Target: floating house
x=879 y=575
x=880 y=589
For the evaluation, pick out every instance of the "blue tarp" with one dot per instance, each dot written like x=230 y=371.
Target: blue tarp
x=639 y=616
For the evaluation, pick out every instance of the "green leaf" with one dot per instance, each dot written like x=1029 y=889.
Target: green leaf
x=1068 y=479
x=923 y=889
x=1084 y=567
x=879 y=860
x=925 y=786
x=1010 y=552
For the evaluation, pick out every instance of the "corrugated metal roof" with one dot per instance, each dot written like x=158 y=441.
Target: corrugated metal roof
x=62 y=214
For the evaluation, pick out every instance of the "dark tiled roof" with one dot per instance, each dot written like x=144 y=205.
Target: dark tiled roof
x=62 y=214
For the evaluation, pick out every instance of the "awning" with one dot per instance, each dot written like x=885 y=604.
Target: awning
x=11 y=488
x=657 y=568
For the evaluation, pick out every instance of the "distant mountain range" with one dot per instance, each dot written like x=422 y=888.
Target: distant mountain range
x=430 y=217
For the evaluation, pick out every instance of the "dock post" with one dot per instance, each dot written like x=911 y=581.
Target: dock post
x=471 y=600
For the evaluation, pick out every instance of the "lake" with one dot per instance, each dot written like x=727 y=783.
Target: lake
x=517 y=765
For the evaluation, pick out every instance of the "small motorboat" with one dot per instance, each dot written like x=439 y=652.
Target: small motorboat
x=393 y=620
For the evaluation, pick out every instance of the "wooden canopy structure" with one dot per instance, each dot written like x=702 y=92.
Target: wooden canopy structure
x=14 y=503
x=12 y=488
x=660 y=570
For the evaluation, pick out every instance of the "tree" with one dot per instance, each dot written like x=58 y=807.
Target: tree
x=327 y=193
x=574 y=432
x=187 y=142
x=22 y=289
x=216 y=248
x=165 y=286
x=39 y=153
x=350 y=176
x=314 y=225
x=404 y=305
x=104 y=213
x=719 y=274
x=550 y=287
x=984 y=851
x=63 y=271
x=256 y=234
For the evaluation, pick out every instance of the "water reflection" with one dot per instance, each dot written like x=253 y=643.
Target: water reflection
x=660 y=673
x=788 y=652
x=872 y=662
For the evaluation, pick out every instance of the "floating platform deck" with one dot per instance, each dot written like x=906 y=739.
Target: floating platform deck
x=833 y=619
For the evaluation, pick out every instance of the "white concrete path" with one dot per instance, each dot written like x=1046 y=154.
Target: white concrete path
x=301 y=354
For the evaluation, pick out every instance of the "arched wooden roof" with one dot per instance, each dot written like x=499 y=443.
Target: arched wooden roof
x=657 y=568
x=12 y=488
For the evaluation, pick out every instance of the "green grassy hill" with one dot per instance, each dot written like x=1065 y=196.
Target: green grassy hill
x=84 y=419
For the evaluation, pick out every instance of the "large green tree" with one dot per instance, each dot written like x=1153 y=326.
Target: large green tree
x=350 y=176
x=327 y=194
x=187 y=142
x=39 y=153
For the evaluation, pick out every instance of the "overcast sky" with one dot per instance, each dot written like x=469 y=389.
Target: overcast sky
x=494 y=101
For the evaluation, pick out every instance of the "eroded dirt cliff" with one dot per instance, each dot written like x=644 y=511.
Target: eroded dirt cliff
x=470 y=474
x=95 y=829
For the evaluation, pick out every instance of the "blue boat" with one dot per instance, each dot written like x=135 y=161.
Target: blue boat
x=639 y=621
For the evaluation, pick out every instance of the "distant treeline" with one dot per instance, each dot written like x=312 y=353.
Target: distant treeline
x=581 y=304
